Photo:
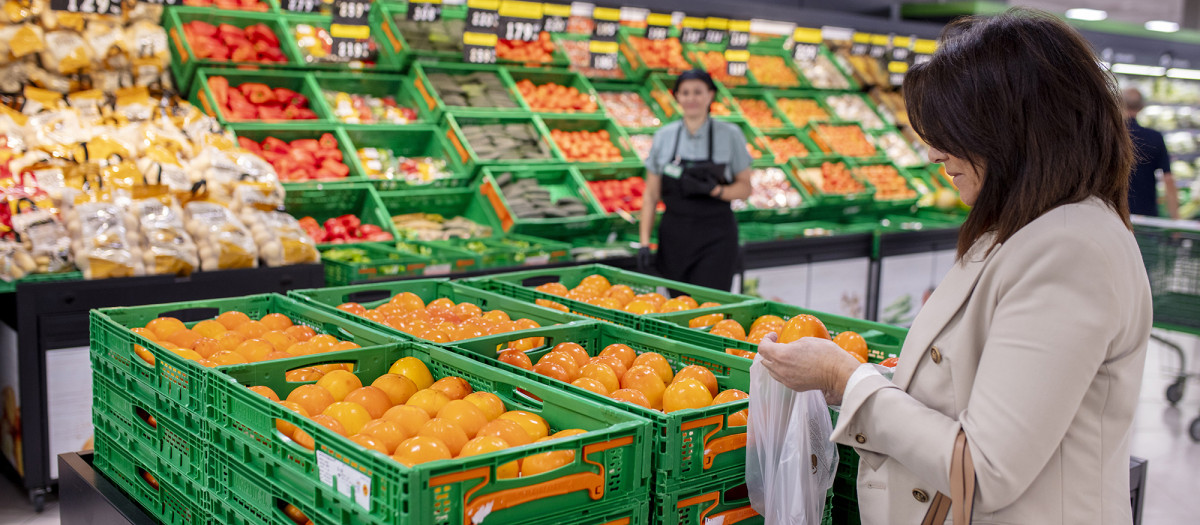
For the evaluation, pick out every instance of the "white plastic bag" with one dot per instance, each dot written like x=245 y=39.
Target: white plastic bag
x=790 y=462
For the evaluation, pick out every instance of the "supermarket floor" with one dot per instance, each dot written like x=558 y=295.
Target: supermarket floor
x=1159 y=435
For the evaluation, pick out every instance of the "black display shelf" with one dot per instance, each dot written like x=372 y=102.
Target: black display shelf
x=87 y=497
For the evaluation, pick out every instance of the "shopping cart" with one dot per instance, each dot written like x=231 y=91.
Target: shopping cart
x=1171 y=252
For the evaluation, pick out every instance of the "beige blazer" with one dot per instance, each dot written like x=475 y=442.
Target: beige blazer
x=1036 y=351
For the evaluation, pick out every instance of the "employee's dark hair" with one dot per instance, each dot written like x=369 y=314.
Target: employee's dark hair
x=1023 y=97
x=694 y=74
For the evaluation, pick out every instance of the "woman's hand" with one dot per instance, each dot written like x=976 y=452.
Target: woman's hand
x=810 y=363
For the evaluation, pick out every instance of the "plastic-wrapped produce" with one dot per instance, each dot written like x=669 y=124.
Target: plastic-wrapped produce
x=853 y=107
x=281 y=241
x=223 y=242
x=823 y=73
x=898 y=150
x=642 y=144
x=45 y=238
x=103 y=241
x=628 y=108
x=770 y=189
x=15 y=261
x=167 y=249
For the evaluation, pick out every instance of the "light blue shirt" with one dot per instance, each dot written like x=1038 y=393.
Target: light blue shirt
x=729 y=147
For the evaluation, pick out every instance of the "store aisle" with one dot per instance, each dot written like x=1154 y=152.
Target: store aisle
x=1160 y=436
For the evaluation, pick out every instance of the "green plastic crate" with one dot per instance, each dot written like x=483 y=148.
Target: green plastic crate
x=184 y=61
x=382 y=61
x=563 y=40
x=688 y=444
x=823 y=51
x=520 y=285
x=384 y=263
x=866 y=100
x=637 y=63
x=433 y=107
x=150 y=425
x=393 y=42
x=499 y=251
x=830 y=205
x=368 y=83
x=375 y=294
x=883 y=341
x=290 y=132
x=177 y=500
x=300 y=82
x=414 y=140
x=184 y=382
x=327 y=201
x=539 y=76
x=769 y=155
x=561 y=182
x=642 y=92
x=592 y=123
x=742 y=96
x=611 y=460
x=776 y=96
x=660 y=85
x=788 y=64
x=883 y=206
x=449 y=203
x=723 y=499
x=454 y=125
x=814 y=133
x=624 y=222
x=11 y=286
x=693 y=52
x=751 y=213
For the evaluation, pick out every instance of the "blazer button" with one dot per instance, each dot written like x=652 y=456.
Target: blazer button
x=936 y=355
x=920 y=496
x=860 y=439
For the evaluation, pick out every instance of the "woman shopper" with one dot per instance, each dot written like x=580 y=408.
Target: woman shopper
x=696 y=166
x=1019 y=378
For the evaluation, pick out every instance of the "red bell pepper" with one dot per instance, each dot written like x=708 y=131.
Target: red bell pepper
x=250 y=145
x=302 y=157
x=307 y=144
x=244 y=54
x=327 y=141
x=242 y=110
x=257 y=93
x=201 y=28
x=288 y=97
x=274 y=144
x=339 y=169
x=262 y=33
x=368 y=229
x=220 y=90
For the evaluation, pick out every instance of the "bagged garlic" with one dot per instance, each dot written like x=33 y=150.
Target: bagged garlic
x=167 y=247
x=103 y=241
x=223 y=242
x=281 y=240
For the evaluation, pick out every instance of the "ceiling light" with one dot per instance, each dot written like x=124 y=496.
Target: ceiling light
x=1135 y=69
x=1083 y=13
x=1190 y=74
x=1162 y=26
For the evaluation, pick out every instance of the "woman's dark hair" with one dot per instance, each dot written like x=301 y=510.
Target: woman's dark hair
x=694 y=74
x=1023 y=98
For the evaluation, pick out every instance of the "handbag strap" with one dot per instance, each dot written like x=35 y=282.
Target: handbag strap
x=962 y=488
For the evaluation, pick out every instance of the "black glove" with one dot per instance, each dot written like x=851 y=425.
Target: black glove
x=697 y=187
x=645 y=259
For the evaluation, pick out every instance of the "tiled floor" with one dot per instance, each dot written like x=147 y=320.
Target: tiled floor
x=1160 y=436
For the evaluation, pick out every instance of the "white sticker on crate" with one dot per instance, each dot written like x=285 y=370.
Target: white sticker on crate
x=350 y=482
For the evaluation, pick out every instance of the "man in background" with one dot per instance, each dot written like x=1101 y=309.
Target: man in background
x=1151 y=157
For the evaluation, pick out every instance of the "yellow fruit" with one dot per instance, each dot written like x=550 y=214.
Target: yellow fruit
x=508 y=430
x=421 y=449
x=446 y=431
x=685 y=394
x=533 y=424
x=312 y=398
x=485 y=444
x=429 y=400
x=490 y=404
x=701 y=374
x=453 y=387
x=397 y=387
x=352 y=416
x=376 y=401
x=339 y=383
x=648 y=382
x=409 y=419
x=464 y=414
x=414 y=370
x=657 y=362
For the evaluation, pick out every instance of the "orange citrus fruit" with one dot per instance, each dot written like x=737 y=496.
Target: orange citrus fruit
x=553 y=370
x=453 y=387
x=295 y=514
x=685 y=394
x=701 y=374
x=387 y=432
x=508 y=430
x=772 y=323
x=568 y=433
x=613 y=362
x=276 y=321
x=431 y=401
x=705 y=320
x=301 y=375
x=339 y=383
x=738 y=419
x=465 y=415
x=184 y=338
x=323 y=340
x=490 y=404
x=284 y=427
x=731 y=329
x=730 y=395
x=657 y=362
x=230 y=340
x=688 y=300
x=601 y=373
x=648 y=382
x=266 y=392
x=452 y=435
x=853 y=343
x=485 y=444
x=352 y=308
x=640 y=307
x=591 y=385
x=515 y=358
x=545 y=462
x=409 y=419
x=533 y=424
x=375 y=400
x=565 y=361
x=369 y=443
x=303 y=439
x=254 y=350
x=397 y=387
x=164 y=327
x=233 y=319
x=414 y=370
x=622 y=352
x=210 y=328
x=421 y=449
x=352 y=416
x=228 y=358
x=553 y=289
x=575 y=351
x=803 y=325
x=408 y=301
x=207 y=347
x=252 y=329
x=313 y=398
x=551 y=304
x=279 y=340
x=675 y=305
x=300 y=332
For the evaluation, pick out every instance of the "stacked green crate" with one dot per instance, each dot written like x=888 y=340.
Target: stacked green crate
x=539 y=201
x=373 y=146
x=466 y=89
x=375 y=489
x=425 y=220
x=204 y=97
x=352 y=263
x=327 y=201
x=187 y=56
x=538 y=77
x=592 y=124
x=833 y=189
x=500 y=140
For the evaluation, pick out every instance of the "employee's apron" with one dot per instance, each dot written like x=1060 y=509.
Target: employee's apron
x=698 y=235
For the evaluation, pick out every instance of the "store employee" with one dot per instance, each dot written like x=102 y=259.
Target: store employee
x=696 y=166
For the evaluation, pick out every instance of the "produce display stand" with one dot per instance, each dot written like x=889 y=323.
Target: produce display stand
x=53 y=315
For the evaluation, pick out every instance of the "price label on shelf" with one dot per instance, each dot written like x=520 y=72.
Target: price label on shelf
x=349 y=29
x=923 y=51
x=693 y=30
x=608 y=21
x=896 y=72
x=482 y=16
x=603 y=55
x=351 y=48
x=427 y=11
x=861 y=44
x=658 y=26
x=736 y=54
x=554 y=17
x=715 y=32
x=879 y=46
x=520 y=20
x=91 y=7
x=479 y=48
x=739 y=34
x=735 y=62
x=807 y=44
x=163 y=2
x=901 y=49
x=300 y=6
